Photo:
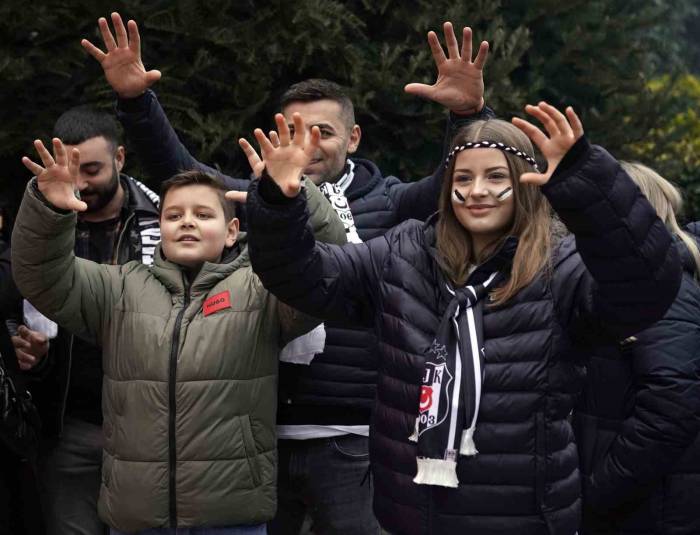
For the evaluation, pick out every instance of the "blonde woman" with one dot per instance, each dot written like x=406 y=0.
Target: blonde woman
x=638 y=421
x=480 y=316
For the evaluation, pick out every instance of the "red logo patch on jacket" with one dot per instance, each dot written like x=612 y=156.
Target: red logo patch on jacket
x=216 y=302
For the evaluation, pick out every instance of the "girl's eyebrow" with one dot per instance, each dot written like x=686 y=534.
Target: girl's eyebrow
x=465 y=170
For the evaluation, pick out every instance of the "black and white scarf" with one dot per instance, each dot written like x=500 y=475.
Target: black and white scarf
x=335 y=193
x=451 y=388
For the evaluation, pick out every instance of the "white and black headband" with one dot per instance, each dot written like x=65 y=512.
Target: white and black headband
x=486 y=144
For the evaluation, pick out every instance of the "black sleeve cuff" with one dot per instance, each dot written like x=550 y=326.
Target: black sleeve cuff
x=133 y=105
x=271 y=193
x=458 y=120
x=573 y=160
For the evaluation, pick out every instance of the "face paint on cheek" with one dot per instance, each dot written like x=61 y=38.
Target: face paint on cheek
x=457 y=197
x=504 y=194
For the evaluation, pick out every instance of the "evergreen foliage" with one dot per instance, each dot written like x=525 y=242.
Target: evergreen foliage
x=226 y=63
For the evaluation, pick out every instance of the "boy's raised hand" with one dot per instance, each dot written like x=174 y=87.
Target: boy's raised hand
x=57 y=179
x=460 y=82
x=563 y=132
x=284 y=156
x=122 y=63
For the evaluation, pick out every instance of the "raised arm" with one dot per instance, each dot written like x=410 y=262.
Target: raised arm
x=630 y=272
x=322 y=280
x=75 y=293
x=459 y=87
x=138 y=109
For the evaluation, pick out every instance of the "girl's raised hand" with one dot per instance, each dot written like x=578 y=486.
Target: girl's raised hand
x=284 y=156
x=563 y=132
x=57 y=180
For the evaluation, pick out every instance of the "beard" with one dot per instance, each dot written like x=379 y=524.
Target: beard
x=100 y=196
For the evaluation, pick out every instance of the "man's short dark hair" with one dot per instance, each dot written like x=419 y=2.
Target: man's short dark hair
x=315 y=89
x=199 y=178
x=83 y=122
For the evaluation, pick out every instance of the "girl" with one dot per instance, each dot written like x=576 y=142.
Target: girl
x=638 y=420
x=480 y=316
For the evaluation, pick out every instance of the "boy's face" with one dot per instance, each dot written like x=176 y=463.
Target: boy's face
x=193 y=227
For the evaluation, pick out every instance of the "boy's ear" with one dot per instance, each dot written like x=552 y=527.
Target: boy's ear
x=232 y=232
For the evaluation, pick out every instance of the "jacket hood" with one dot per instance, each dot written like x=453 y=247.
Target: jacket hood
x=367 y=176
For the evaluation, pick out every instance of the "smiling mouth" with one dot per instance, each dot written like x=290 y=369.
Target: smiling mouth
x=188 y=239
x=480 y=206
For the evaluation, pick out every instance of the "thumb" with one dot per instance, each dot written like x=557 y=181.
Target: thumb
x=237 y=196
x=23 y=331
x=152 y=77
x=76 y=204
x=419 y=90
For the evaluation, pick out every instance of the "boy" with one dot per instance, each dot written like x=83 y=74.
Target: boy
x=190 y=349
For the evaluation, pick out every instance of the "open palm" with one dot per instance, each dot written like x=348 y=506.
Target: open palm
x=122 y=64
x=562 y=133
x=57 y=179
x=284 y=156
x=460 y=81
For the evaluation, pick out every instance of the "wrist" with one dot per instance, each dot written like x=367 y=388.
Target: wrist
x=128 y=95
x=469 y=111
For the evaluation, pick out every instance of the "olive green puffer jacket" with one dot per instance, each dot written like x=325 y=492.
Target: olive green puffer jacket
x=189 y=399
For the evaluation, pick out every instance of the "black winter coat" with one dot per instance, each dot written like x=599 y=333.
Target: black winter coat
x=637 y=425
x=339 y=385
x=525 y=479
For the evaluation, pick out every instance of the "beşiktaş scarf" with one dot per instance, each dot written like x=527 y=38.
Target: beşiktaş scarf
x=335 y=193
x=451 y=389
x=303 y=349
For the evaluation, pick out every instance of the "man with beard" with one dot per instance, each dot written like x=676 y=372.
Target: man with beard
x=119 y=225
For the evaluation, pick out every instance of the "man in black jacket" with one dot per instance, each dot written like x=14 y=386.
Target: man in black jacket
x=120 y=224
x=324 y=408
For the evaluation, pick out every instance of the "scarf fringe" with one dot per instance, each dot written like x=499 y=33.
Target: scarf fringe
x=436 y=472
x=414 y=435
x=466 y=445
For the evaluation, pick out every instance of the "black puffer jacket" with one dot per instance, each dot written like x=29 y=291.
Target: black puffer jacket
x=525 y=479
x=637 y=425
x=339 y=385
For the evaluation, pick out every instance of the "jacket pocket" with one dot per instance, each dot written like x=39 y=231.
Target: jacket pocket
x=540 y=461
x=250 y=449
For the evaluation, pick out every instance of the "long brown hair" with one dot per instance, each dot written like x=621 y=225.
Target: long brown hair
x=665 y=198
x=531 y=220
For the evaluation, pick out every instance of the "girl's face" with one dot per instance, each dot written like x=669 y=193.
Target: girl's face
x=479 y=176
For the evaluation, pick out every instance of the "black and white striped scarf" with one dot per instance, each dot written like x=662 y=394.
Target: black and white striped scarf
x=335 y=193
x=451 y=388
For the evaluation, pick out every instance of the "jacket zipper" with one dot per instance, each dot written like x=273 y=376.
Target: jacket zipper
x=121 y=235
x=172 y=376
x=65 y=392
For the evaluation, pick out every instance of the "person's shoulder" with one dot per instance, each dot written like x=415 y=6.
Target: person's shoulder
x=408 y=234
x=141 y=197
